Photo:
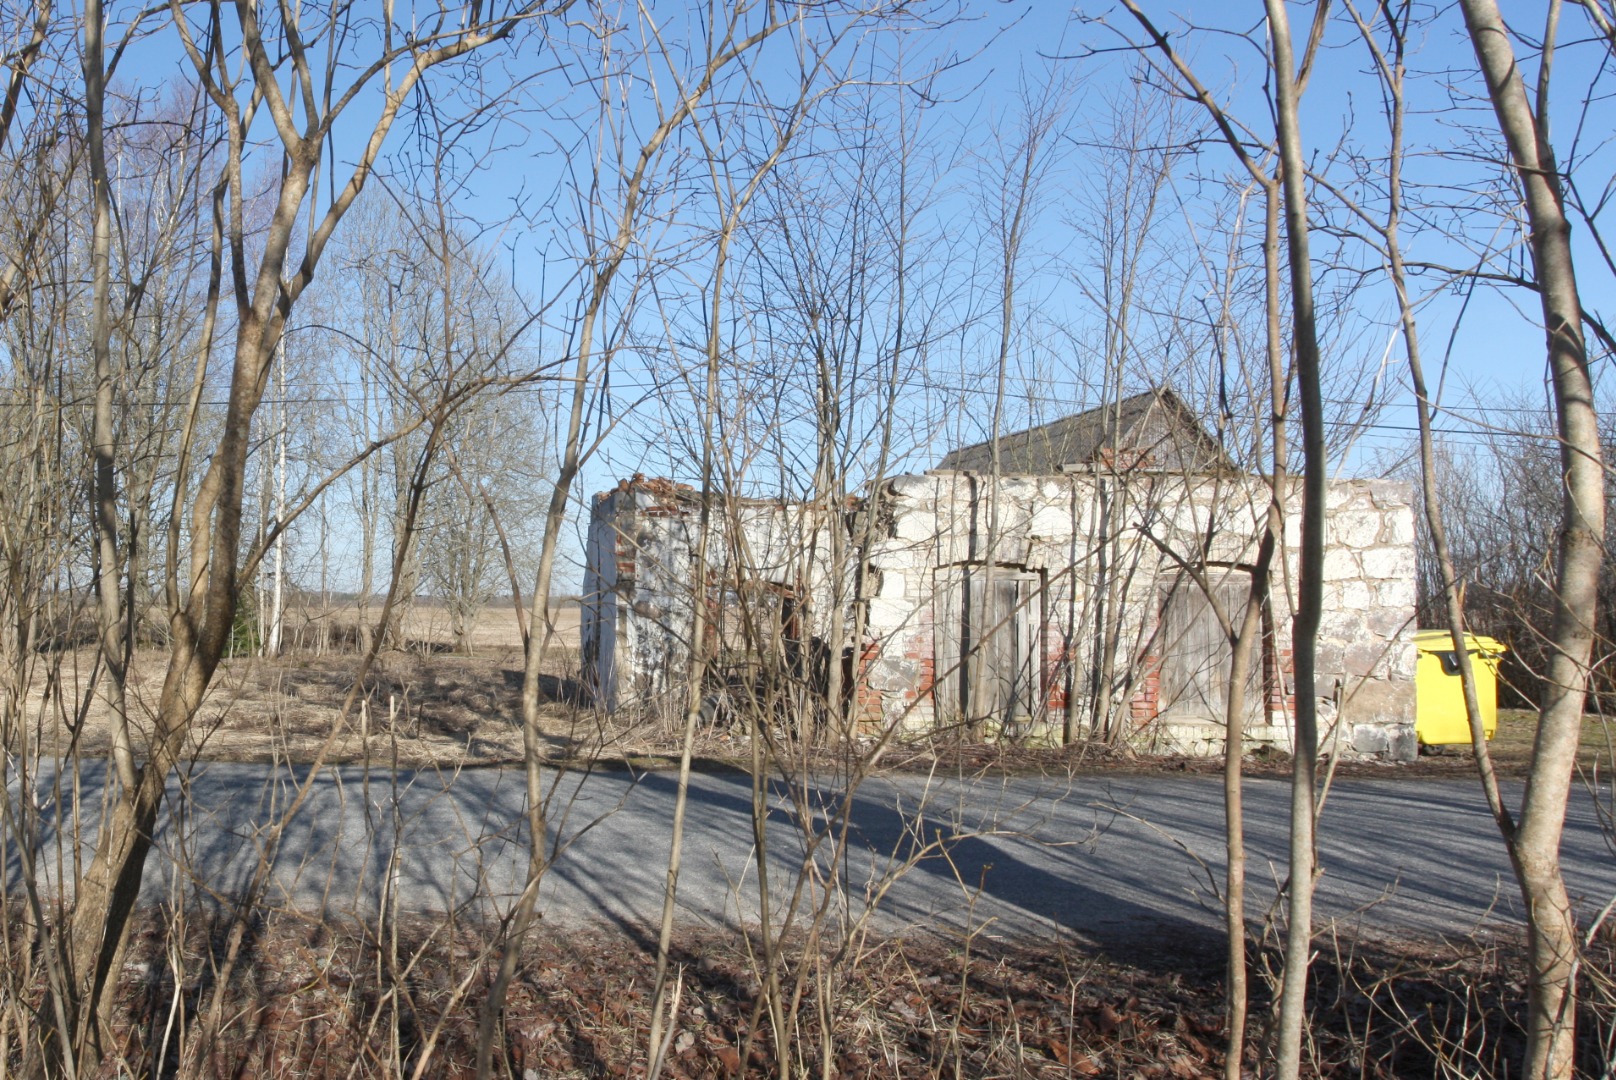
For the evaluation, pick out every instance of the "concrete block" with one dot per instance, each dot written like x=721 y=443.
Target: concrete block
x=1339 y=495
x=915 y=525
x=887 y=616
x=1362 y=658
x=1398 y=527
x=1353 y=594
x=1396 y=594
x=1293 y=534
x=1231 y=547
x=1370 y=739
x=1340 y=564
x=1405 y=744
x=1380 y=701
x=1402 y=662
x=1389 y=493
x=915 y=487
x=1052 y=523
x=897 y=558
x=1017 y=490
x=1342 y=625
x=894 y=585
x=1389 y=623
x=952 y=547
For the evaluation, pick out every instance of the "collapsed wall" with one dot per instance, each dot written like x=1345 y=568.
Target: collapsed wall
x=1094 y=604
x=640 y=597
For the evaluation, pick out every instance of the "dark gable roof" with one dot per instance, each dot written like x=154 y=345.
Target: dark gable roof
x=1153 y=430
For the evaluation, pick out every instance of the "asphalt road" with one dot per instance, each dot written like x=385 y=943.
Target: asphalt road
x=1112 y=859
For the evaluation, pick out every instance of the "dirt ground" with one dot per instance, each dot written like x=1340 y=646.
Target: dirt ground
x=428 y=706
x=421 y=706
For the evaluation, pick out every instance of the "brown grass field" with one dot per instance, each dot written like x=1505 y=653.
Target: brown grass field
x=427 y=706
x=420 y=706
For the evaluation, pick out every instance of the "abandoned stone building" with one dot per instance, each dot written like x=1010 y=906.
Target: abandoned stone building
x=1085 y=590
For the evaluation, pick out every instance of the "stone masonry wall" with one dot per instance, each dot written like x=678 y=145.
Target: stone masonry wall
x=1102 y=549
x=1078 y=531
x=639 y=593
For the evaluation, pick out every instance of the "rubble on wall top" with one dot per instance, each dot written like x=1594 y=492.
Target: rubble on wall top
x=658 y=486
x=668 y=492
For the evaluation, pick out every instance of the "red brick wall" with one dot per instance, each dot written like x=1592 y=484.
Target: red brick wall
x=869 y=704
x=1147 y=691
x=1056 y=659
x=1279 y=678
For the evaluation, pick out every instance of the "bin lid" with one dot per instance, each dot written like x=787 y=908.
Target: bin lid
x=1437 y=641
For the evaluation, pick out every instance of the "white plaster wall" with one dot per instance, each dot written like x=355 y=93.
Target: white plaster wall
x=643 y=540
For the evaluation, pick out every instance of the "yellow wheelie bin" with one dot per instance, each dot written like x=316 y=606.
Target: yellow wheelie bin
x=1439 y=693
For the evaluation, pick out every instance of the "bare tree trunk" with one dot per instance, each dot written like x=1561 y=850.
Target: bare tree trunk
x=696 y=680
x=606 y=259
x=277 y=597
x=115 y=648
x=1535 y=846
x=1287 y=1043
x=369 y=485
x=1310 y=578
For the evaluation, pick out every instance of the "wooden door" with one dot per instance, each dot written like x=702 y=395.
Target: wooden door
x=1195 y=652
x=986 y=623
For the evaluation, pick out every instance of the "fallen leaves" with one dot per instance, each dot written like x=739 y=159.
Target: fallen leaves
x=1076 y=1064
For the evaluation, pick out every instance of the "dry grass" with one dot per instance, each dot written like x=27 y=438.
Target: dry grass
x=1511 y=749
x=334 y=999
x=1512 y=744
x=428 y=706
x=422 y=705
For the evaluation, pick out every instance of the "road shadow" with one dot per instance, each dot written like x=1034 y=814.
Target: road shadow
x=932 y=872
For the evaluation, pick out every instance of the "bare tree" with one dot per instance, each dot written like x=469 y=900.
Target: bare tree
x=1287 y=191
x=302 y=101
x=614 y=215
x=1534 y=840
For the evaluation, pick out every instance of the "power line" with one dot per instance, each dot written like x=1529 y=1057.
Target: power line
x=1030 y=396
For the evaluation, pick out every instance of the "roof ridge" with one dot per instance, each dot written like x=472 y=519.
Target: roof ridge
x=1154 y=392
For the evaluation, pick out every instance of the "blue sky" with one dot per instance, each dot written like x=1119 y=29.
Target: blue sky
x=1482 y=346
x=995 y=65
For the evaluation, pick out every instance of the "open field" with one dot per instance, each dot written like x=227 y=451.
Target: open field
x=421 y=705
x=426 y=705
